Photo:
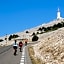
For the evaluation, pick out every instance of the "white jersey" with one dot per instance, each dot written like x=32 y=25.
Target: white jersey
x=15 y=45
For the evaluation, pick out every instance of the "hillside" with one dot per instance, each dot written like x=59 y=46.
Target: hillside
x=50 y=49
x=23 y=35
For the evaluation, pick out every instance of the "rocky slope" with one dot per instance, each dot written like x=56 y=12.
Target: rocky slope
x=50 y=49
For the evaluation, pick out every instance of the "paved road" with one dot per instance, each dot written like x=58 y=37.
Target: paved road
x=5 y=48
x=7 y=57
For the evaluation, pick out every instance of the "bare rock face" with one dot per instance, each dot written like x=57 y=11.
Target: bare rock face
x=50 y=49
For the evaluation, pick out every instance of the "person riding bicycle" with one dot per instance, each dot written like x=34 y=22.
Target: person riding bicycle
x=15 y=46
x=20 y=45
x=26 y=42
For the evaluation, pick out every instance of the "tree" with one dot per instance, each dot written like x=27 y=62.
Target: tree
x=37 y=32
x=10 y=37
x=54 y=26
x=35 y=38
x=33 y=34
x=43 y=28
x=49 y=28
x=1 y=40
x=59 y=25
x=40 y=29
x=13 y=36
x=27 y=32
x=63 y=24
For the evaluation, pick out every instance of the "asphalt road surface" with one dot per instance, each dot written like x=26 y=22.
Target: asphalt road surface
x=7 y=57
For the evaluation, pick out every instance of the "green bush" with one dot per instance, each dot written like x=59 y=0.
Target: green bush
x=10 y=37
x=35 y=38
x=37 y=32
x=13 y=36
x=51 y=28
x=1 y=40
x=40 y=29
x=33 y=34
x=27 y=32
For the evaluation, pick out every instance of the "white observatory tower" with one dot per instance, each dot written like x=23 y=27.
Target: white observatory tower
x=58 y=14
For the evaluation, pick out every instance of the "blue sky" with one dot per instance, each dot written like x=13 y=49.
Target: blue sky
x=18 y=15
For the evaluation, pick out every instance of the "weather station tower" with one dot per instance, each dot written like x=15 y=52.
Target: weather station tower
x=58 y=14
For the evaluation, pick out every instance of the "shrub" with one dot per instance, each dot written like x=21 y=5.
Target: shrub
x=43 y=28
x=33 y=34
x=1 y=40
x=10 y=37
x=35 y=38
x=40 y=29
x=37 y=32
x=27 y=32
x=59 y=25
x=13 y=36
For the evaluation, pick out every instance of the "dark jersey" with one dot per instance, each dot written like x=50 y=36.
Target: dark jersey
x=20 y=44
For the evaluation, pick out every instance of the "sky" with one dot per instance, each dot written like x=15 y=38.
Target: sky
x=19 y=15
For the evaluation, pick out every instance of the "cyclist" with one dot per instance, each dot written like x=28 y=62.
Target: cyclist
x=20 y=45
x=15 y=46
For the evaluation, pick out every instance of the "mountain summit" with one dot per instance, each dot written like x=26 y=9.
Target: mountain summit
x=35 y=29
x=50 y=46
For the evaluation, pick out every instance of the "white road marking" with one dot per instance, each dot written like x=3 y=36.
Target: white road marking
x=23 y=57
x=21 y=63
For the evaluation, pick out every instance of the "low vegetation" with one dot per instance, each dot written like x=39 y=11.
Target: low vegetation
x=51 y=28
x=1 y=40
x=35 y=38
x=13 y=36
x=33 y=58
x=33 y=34
x=27 y=31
